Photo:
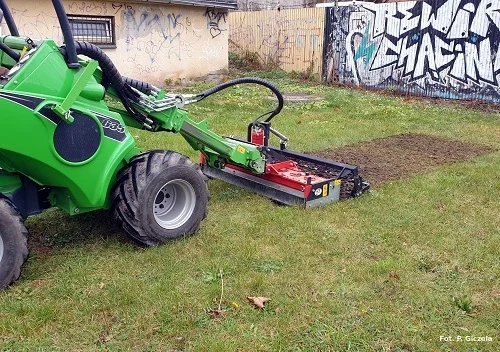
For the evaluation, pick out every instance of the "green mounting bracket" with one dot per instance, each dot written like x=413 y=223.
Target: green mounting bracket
x=64 y=110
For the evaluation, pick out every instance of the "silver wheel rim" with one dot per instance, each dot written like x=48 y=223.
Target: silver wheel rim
x=1 y=248
x=174 y=204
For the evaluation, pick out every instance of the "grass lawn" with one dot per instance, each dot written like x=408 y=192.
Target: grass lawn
x=412 y=261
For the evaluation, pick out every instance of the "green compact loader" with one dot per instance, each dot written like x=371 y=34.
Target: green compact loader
x=62 y=146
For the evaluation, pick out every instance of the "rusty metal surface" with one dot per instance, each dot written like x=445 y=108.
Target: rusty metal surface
x=445 y=48
x=290 y=39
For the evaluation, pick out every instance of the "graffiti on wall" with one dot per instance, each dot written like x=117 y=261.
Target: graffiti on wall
x=36 y=25
x=445 y=47
x=150 y=39
x=216 y=21
x=155 y=35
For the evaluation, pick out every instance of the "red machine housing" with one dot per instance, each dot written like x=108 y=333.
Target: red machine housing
x=288 y=174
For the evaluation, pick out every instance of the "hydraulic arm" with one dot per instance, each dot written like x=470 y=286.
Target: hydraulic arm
x=166 y=114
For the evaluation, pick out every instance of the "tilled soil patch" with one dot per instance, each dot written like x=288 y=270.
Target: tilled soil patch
x=396 y=157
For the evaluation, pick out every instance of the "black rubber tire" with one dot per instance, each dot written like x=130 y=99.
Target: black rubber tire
x=14 y=246
x=137 y=187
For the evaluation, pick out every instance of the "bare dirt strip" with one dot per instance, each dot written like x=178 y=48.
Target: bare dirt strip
x=391 y=158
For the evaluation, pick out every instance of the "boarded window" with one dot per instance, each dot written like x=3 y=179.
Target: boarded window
x=98 y=30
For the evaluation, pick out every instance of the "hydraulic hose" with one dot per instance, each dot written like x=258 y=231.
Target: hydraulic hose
x=67 y=34
x=109 y=70
x=245 y=80
x=141 y=86
x=111 y=74
x=13 y=55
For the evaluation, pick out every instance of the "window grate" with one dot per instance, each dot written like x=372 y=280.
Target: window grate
x=98 y=30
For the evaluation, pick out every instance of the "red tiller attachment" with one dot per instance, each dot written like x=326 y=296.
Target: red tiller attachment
x=284 y=182
x=295 y=179
x=289 y=178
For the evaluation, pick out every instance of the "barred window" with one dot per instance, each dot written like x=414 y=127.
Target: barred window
x=98 y=30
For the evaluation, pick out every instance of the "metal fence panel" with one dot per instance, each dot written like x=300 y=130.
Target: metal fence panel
x=290 y=39
x=444 y=48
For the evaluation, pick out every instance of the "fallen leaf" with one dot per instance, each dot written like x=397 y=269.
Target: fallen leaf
x=181 y=342
x=236 y=305
x=394 y=275
x=441 y=207
x=217 y=313
x=258 y=302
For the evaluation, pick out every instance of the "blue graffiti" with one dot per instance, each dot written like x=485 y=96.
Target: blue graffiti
x=139 y=26
x=366 y=49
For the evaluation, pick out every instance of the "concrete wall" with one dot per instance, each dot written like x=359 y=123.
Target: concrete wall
x=154 y=42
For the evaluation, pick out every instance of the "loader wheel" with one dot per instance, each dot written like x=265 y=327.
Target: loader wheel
x=160 y=196
x=13 y=243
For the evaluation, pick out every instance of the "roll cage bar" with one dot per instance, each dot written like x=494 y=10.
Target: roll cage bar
x=9 y=19
x=72 y=59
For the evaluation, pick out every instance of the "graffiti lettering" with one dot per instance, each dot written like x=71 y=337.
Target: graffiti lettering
x=117 y=7
x=211 y=52
x=152 y=35
x=36 y=25
x=214 y=21
x=151 y=38
x=95 y=8
x=452 y=43
x=139 y=25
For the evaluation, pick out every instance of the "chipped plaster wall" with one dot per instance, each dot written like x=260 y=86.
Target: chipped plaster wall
x=154 y=42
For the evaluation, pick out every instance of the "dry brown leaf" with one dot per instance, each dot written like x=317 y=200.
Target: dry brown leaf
x=441 y=207
x=394 y=275
x=217 y=313
x=258 y=302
